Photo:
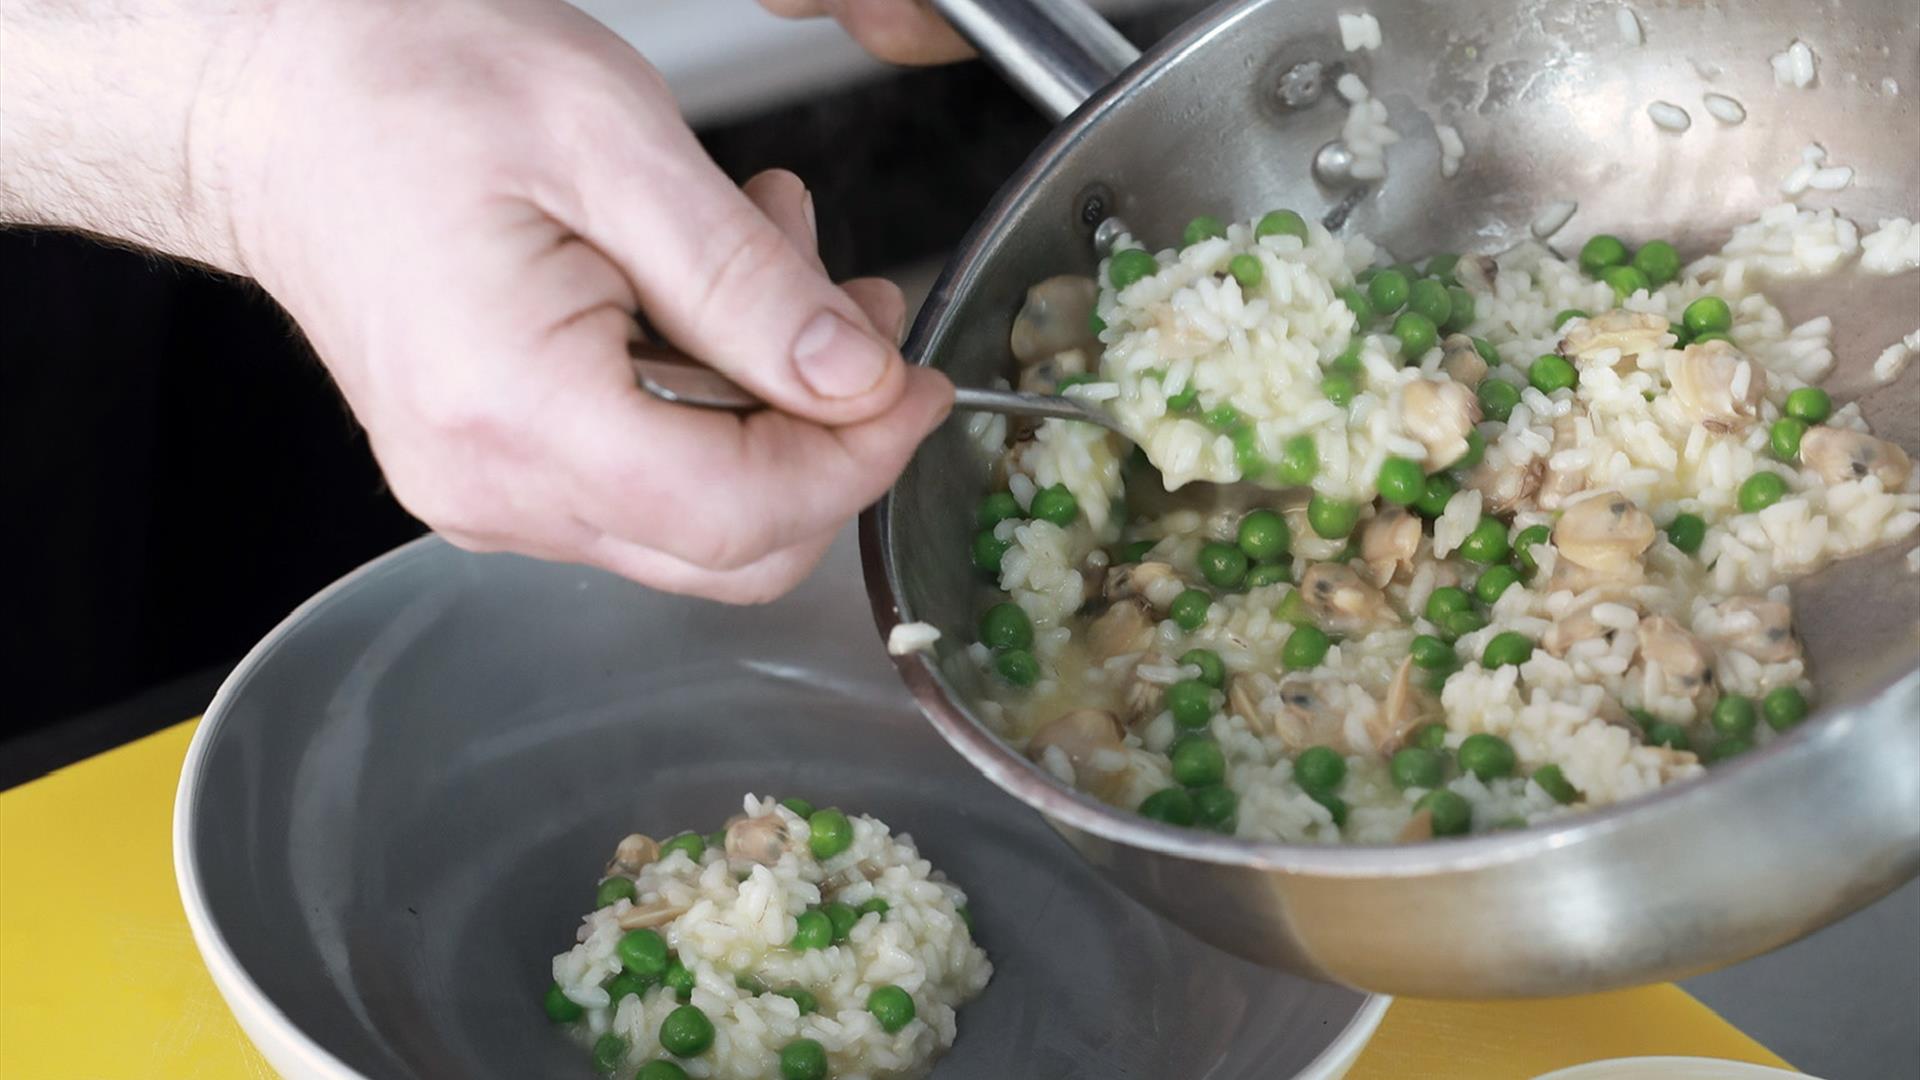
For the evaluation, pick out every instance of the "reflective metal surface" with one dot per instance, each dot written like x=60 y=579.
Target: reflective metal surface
x=1551 y=103
x=396 y=810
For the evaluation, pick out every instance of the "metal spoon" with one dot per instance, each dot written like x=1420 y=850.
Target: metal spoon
x=672 y=376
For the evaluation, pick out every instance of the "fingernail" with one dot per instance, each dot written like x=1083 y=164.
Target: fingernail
x=813 y=221
x=837 y=361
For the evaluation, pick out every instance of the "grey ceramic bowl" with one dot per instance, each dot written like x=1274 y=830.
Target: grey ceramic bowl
x=397 y=807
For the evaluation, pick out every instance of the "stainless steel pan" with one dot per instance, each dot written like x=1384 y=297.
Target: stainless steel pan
x=1228 y=116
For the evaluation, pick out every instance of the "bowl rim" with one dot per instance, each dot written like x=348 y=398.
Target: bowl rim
x=1029 y=783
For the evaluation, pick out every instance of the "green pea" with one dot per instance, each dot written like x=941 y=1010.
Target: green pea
x=1497 y=398
x=1263 y=534
x=1441 y=263
x=1005 y=626
x=1566 y=315
x=1487 y=352
x=1319 y=768
x=1416 y=767
x=1687 y=532
x=1184 y=400
x=1293 y=610
x=1223 y=418
x=660 y=1070
x=561 y=1009
x=801 y=997
x=1223 y=565
x=1429 y=298
x=609 y=1051
x=627 y=982
x=1451 y=814
x=1198 y=762
x=1661 y=733
x=1488 y=757
x=1508 y=648
x=995 y=509
x=1339 y=389
x=812 y=930
x=874 y=906
x=1212 y=671
x=1189 y=609
x=1272 y=573
x=831 y=833
x=1523 y=545
x=1127 y=267
x=1459 y=624
x=1440 y=490
x=686 y=1031
x=1305 y=648
x=1357 y=303
x=1299 y=461
x=1335 y=805
x=693 y=844
x=1401 y=481
x=1461 y=310
x=805 y=1059
x=1486 y=543
x=1554 y=783
x=1733 y=715
x=1727 y=747
x=1430 y=652
x=1601 y=252
x=989 y=550
x=1281 y=223
x=1170 y=805
x=1784 y=436
x=1215 y=807
x=643 y=952
x=1445 y=601
x=1494 y=582
x=1551 y=372
x=1658 y=261
x=1784 y=708
x=1246 y=453
x=1095 y=323
x=1388 y=291
x=750 y=983
x=613 y=889
x=1476 y=452
x=1707 y=315
x=1191 y=703
x=1332 y=518
x=1075 y=380
x=678 y=979
x=1760 y=491
x=799 y=806
x=1417 y=334
x=1201 y=228
x=1810 y=404
x=1056 y=504
x=1137 y=550
x=1246 y=270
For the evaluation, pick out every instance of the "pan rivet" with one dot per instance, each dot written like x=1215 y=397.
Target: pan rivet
x=1109 y=231
x=1301 y=84
x=1333 y=164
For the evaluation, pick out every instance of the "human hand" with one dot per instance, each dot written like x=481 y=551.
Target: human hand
x=897 y=31
x=462 y=203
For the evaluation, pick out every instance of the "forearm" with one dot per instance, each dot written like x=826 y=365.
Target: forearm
x=112 y=119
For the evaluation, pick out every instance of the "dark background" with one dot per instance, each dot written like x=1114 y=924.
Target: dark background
x=181 y=473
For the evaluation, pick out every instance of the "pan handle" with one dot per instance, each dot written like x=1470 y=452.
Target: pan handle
x=1056 y=52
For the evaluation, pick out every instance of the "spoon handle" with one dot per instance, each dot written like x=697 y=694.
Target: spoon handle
x=671 y=376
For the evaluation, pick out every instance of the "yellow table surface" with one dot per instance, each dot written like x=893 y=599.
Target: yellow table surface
x=99 y=977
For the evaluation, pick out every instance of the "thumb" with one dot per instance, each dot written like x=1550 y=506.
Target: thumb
x=725 y=283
